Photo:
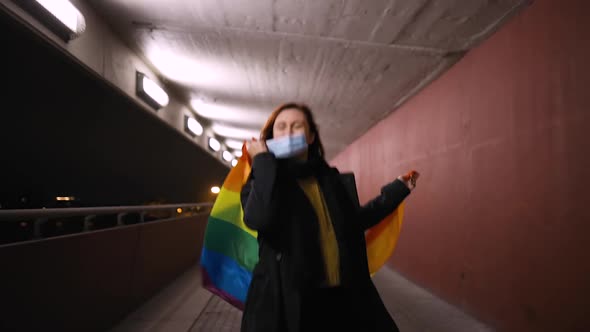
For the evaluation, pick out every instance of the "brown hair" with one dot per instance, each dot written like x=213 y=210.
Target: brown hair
x=316 y=149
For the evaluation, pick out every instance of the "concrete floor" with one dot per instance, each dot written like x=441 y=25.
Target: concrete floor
x=184 y=306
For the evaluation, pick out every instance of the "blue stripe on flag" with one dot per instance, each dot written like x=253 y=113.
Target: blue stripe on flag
x=226 y=274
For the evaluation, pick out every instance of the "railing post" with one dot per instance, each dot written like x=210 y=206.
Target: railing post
x=37 y=227
x=120 y=218
x=88 y=222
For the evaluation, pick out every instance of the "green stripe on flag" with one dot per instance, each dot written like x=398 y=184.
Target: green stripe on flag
x=225 y=238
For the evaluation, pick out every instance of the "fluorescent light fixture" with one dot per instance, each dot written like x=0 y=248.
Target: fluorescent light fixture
x=234 y=162
x=214 y=144
x=238 y=153
x=150 y=92
x=64 y=11
x=192 y=126
x=215 y=190
x=234 y=132
x=65 y=198
x=227 y=156
x=59 y=16
x=234 y=144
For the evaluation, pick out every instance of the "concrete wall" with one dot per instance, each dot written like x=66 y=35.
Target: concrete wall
x=499 y=222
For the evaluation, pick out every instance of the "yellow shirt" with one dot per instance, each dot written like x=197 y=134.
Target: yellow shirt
x=328 y=243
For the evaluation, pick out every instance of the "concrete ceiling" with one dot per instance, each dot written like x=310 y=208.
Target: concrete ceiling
x=352 y=61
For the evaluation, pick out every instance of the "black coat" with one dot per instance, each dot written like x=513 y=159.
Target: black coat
x=290 y=260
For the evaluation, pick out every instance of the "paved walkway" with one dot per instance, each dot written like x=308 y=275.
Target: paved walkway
x=184 y=306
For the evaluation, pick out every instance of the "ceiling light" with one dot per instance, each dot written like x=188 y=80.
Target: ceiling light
x=192 y=126
x=238 y=153
x=215 y=190
x=234 y=162
x=65 y=198
x=227 y=156
x=234 y=132
x=59 y=16
x=214 y=144
x=150 y=92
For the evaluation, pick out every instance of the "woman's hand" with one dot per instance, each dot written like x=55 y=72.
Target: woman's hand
x=255 y=147
x=410 y=178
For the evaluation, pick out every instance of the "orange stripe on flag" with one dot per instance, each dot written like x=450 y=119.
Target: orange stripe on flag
x=238 y=175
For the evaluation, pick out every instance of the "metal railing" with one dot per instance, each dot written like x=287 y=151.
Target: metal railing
x=37 y=217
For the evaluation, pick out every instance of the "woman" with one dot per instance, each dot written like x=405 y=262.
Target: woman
x=312 y=273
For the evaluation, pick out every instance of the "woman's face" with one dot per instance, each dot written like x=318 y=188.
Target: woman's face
x=292 y=122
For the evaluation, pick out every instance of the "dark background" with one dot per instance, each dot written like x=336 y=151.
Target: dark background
x=66 y=132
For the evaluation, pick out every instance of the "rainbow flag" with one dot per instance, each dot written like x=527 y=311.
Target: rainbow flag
x=230 y=248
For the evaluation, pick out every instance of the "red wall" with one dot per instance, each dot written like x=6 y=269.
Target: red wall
x=499 y=224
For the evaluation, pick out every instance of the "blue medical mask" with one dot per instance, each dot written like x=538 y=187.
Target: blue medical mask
x=287 y=146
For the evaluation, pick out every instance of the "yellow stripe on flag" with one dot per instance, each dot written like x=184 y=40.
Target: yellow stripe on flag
x=382 y=238
x=227 y=207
